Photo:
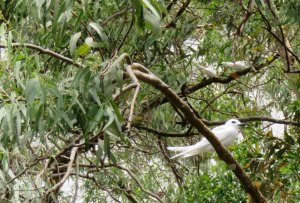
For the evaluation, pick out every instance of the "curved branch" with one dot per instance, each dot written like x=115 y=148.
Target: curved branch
x=188 y=133
x=206 y=82
x=202 y=128
x=44 y=51
x=256 y=118
x=67 y=174
x=138 y=182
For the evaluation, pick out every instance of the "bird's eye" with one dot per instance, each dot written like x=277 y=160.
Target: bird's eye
x=233 y=121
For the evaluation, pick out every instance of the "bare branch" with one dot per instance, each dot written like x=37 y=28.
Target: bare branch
x=124 y=89
x=188 y=133
x=137 y=89
x=139 y=183
x=114 y=16
x=256 y=118
x=44 y=51
x=67 y=174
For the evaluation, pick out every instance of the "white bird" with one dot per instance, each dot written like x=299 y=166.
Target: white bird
x=226 y=134
x=238 y=65
x=206 y=71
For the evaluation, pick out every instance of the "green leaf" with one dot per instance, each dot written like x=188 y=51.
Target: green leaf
x=82 y=50
x=99 y=152
x=96 y=118
x=111 y=117
x=152 y=9
x=17 y=74
x=32 y=90
x=152 y=22
x=67 y=119
x=73 y=42
x=90 y=42
x=139 y=14
x=100 y=31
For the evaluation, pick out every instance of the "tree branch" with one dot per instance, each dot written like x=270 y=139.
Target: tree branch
x=206 y=82
x=202 y=128
x=67 y=174
x=139 y=183
x=44 y=51
x=188 y=133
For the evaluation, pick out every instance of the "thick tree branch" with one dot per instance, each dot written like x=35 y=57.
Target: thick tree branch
x=202 y=128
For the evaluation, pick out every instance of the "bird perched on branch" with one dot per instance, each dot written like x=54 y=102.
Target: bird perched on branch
x=237 y=65
x=226 y=134
x=207 y=71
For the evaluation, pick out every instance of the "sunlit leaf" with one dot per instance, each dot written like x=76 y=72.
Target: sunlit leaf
x=73 y=42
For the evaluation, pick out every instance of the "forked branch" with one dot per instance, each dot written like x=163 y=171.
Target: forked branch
x=203 y=129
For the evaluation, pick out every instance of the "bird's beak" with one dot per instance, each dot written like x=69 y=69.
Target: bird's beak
x=242 y=124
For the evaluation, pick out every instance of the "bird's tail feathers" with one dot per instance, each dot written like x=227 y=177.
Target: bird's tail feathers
x=191 y=150
x=178 y=149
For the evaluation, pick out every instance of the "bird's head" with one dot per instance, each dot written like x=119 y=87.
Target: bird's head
x=234 y=122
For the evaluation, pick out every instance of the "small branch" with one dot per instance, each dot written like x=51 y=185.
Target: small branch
x=124 y=89
x=256 y=118
x=44 y=51
x=162 y=145
x=139 y=183
x=178 y=14
x=188 y=133
x=76 y=179
x=248 y=13
x=114 y=16
x=283 y=43
x=24 y=171
x=44 y=169
x=67 y=174
x=137 y=89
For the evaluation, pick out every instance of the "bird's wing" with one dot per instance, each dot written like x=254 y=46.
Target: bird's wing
x=227 y=135
x=199 y=147
x=219 y=128
x=179 y=149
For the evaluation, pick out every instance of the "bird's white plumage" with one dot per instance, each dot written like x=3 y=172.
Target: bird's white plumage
x=207 y=71
x=226 y=134
x=238 y=65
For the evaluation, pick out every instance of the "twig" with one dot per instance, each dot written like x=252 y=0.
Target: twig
x=137 y=89
x=178 y=14
x=44 y=51
x=188 y=133
x=113 y=17
x=67 y=174
x=283 y=43
x=24 y=171
x=124 y=89
x=76 y=179
x=256 y=118
x=139 y=183
x=44 y=169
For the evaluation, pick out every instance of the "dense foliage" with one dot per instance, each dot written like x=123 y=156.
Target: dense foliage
x=66 y=101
